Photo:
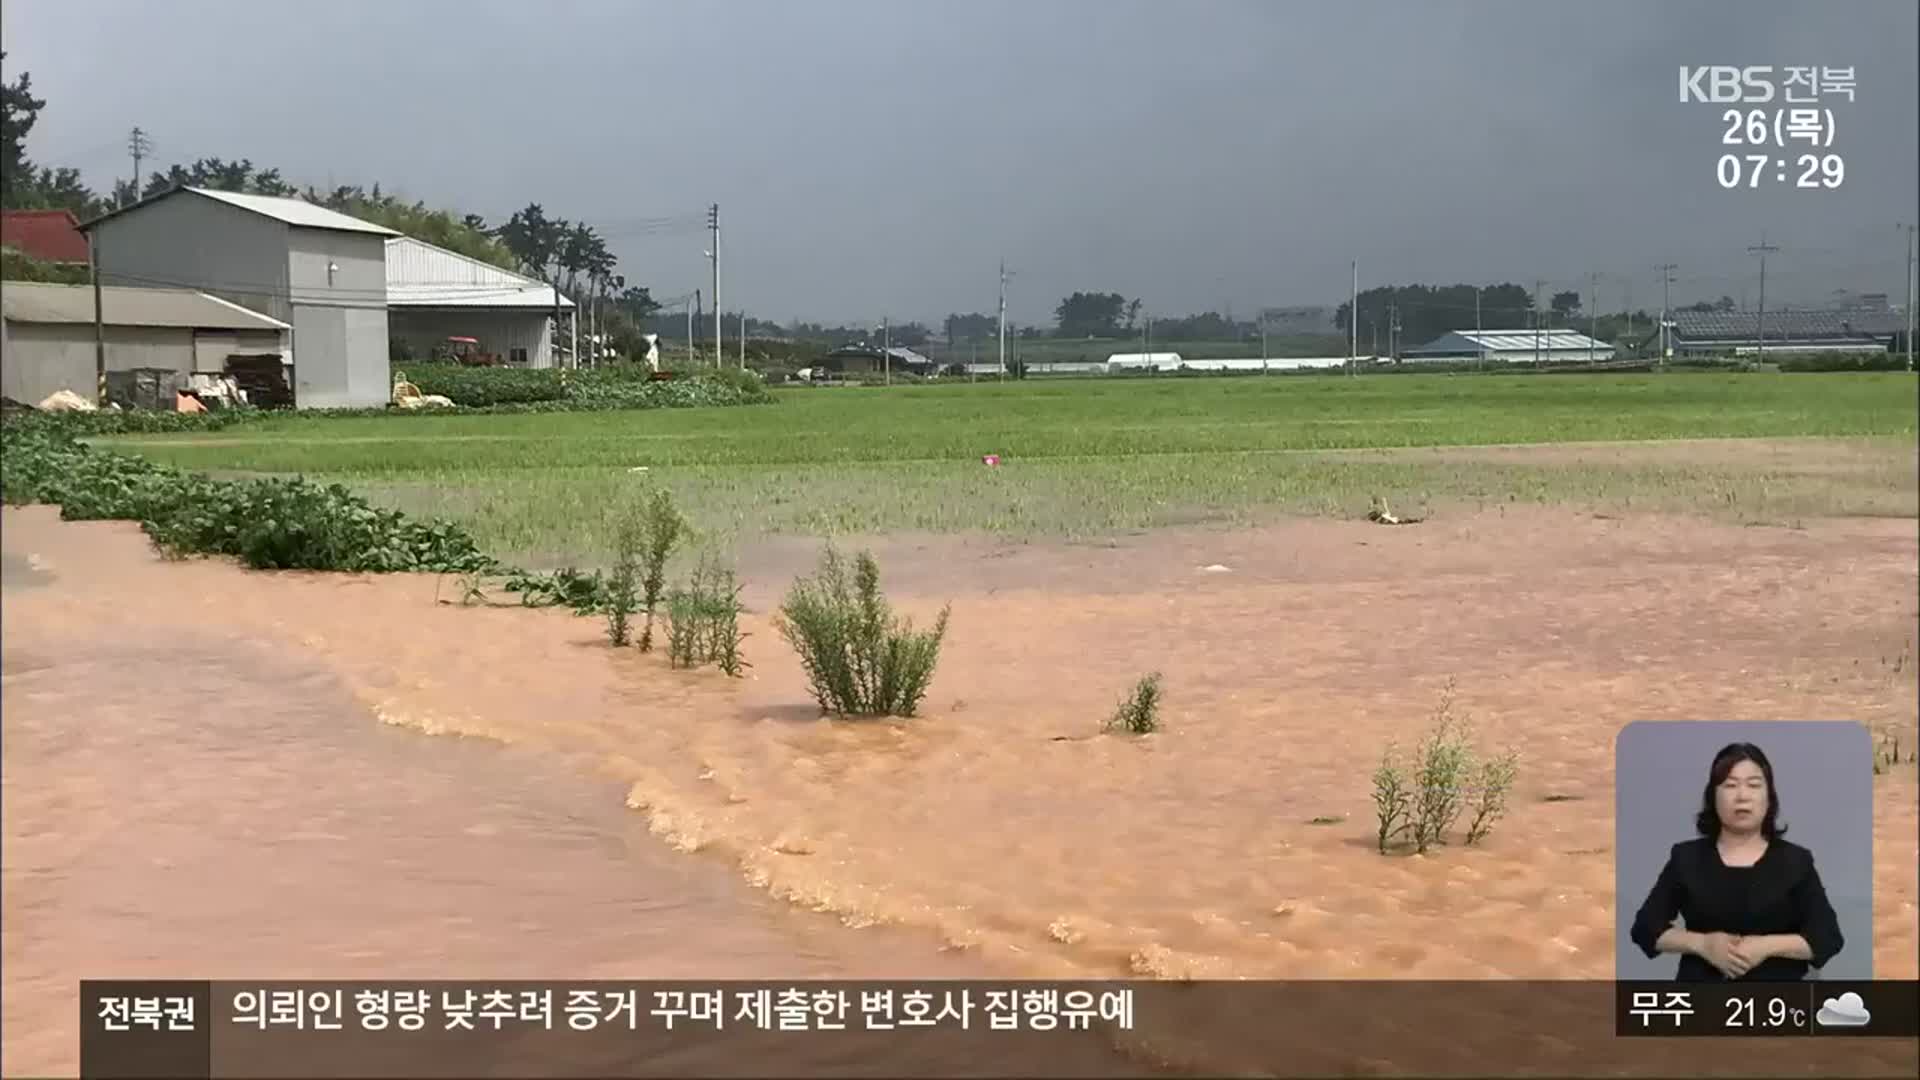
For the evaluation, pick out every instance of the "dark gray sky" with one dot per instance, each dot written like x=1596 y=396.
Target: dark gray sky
x=879 y=157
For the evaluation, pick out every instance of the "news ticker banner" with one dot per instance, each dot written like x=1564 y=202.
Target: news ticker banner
x=435 y=1029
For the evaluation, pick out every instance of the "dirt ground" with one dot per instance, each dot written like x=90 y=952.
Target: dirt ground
x=1289 y=666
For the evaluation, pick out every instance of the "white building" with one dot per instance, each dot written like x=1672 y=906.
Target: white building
x=1511 y=346
x=434 y=294
x=47 y=341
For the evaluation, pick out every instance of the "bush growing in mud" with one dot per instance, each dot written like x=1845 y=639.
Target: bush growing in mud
x=1139 y=712
x=703 y=620
x=659 y=533
x=860 y=659
x=623 y=585
x=1446 y=779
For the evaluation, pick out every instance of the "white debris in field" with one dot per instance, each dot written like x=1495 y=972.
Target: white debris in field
x=1380 y=515
x=66 y=401
x=1216 y=568
x=638 y=468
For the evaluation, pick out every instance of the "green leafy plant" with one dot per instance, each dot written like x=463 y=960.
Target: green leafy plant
x=1445 y=759
x=661 y=529
x=1392 y=801
x=1490 y=794
x=623 y=586
x=1139 y=712
x=859 y=658
x=703 y=620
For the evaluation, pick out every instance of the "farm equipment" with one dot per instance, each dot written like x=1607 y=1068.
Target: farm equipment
x=465 y=351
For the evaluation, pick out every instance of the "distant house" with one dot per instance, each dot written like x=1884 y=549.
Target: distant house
x=322 y=272
x=1737 y=333
x=862 y=357
x=47 y=335
x=52 y=236
x=434 y=294
x=1510 y=346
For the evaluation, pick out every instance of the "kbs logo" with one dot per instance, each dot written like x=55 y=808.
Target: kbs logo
x=1722 y=84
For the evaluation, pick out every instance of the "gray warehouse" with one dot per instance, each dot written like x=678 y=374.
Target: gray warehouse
x=319 y=271
x=47 y=336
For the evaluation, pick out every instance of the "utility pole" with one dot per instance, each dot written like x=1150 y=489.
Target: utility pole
x=1479 y=335
x=743 y=341
x=1760 y=343
x=692 y=304
x=886 y=348
x=1353 y=323
x=1537 y=286
x=1003 y=320
x=713 y=225
x=139 y=146
x=1593 y=315
x=1910 y=297
x=1666 y=308
x=1394 y=339
x=99 y=322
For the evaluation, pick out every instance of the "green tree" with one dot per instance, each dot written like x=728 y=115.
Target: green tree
x=19 y=110
x=1565 y=304
x=1090 y=315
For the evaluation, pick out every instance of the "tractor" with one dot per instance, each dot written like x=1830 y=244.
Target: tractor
x=465 y=351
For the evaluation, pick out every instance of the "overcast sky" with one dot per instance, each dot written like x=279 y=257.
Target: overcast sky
x=879 y=158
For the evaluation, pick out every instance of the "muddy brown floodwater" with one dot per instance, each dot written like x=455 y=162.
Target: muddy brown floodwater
x=193 y=783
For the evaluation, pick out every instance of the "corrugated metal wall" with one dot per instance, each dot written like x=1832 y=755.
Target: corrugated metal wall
x=42 y=358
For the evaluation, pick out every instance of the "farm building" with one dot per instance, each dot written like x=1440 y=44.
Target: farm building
x=48 y=335
x=1736 y=333
x=52 y=236
x=319 y=271
x=850 y=359
x=434 y=294
x=1511 y=346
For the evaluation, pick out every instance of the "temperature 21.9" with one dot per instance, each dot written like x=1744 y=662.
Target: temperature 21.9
x=1814 y=170
x=1779 y=1012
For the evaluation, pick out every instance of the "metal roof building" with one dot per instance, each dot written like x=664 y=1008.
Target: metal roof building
x=318 y=270
x=1732 y=333
x=47 y=335
x=1511 y=346
x=434 y=294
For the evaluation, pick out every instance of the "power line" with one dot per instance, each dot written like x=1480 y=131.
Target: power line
x=1762 y=249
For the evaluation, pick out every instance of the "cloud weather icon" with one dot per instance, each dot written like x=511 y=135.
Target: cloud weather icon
x=1847 y=1010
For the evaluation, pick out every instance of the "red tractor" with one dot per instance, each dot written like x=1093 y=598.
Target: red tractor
x=465 y=351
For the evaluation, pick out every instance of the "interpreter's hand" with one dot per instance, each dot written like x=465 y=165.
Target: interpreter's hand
x=1749 y=952
x=1722 y=951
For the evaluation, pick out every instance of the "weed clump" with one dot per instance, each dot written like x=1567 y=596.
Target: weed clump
x=1419 y=806
x=623 y=585
x=703 y=620
x=661 y=529
x=1139 y=712
x=859 y=658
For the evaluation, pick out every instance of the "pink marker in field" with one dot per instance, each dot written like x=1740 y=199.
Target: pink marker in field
x=990 y=460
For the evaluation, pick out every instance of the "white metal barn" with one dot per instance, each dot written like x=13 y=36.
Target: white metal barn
x=47 y=341
x=434 y=294
x=322 y=272
x=1511 y=346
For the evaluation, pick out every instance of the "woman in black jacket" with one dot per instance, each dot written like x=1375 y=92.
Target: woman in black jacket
x=1752 y=903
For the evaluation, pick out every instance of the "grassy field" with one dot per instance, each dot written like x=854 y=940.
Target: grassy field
x=1091 y=457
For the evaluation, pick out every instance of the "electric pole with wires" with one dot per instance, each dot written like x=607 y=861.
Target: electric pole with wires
x=1762 y=249
x=139 y=146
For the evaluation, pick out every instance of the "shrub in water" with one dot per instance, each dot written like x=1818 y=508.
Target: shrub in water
x=860 y=660
x=1392 y=801
x=1440 y=777
x=661 y=529
x=623 y=587
x=1490 y=794
x=703 y=620
x=1139 y=711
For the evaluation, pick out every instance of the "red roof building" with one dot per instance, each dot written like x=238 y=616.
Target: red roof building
x=47 y=235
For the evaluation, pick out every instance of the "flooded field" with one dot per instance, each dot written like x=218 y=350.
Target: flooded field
x=198 y=779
